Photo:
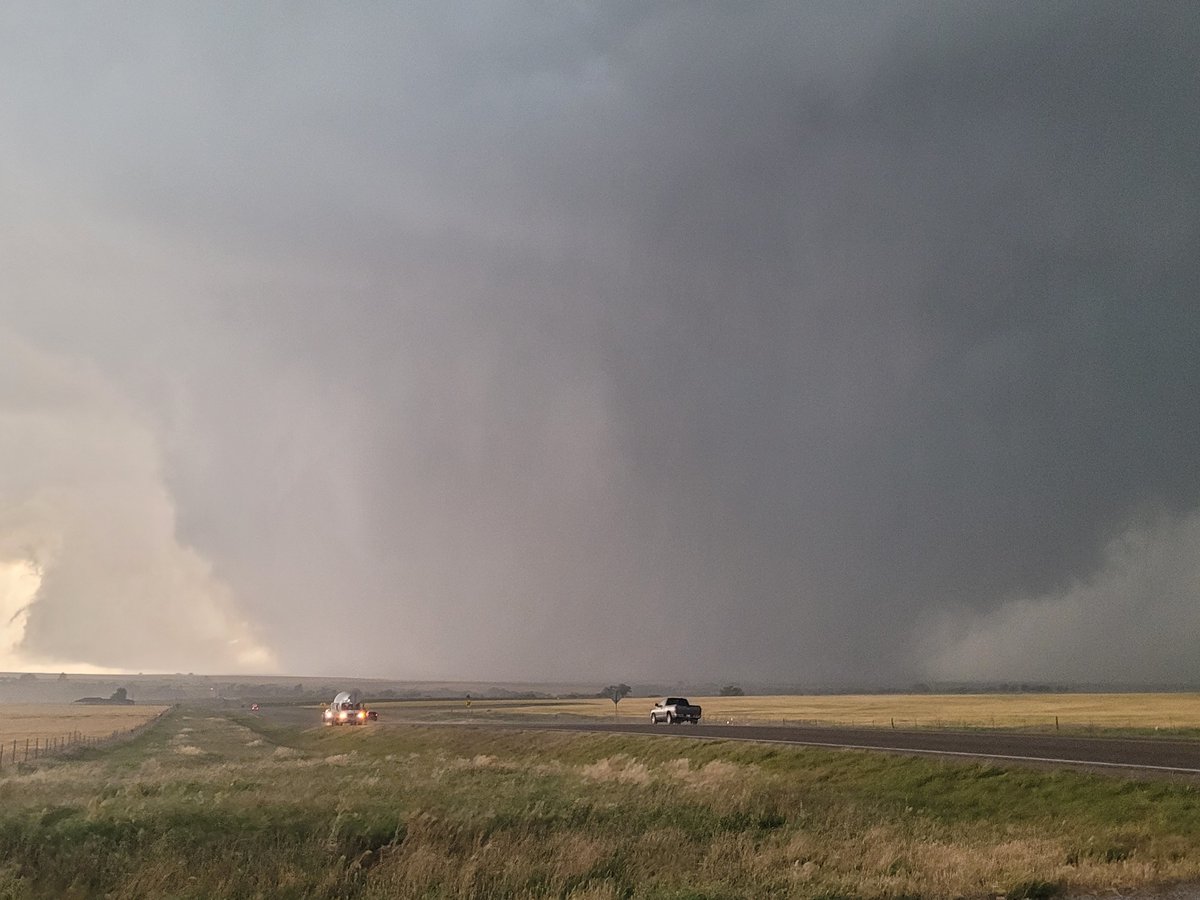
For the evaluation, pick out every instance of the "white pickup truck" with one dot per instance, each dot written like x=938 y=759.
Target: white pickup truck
x=674 y=709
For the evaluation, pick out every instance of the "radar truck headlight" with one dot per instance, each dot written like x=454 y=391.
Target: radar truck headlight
x=347 y=708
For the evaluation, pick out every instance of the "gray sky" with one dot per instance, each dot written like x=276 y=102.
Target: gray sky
x=589 y=341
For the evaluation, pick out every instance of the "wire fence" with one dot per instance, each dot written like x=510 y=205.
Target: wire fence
x=23 y=751
x=1048 y=722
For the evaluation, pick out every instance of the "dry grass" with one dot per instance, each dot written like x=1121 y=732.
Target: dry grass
x=55 y=720
x=203 y=806
x=1073 y=711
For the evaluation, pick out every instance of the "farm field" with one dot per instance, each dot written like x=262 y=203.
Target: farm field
x=48 y=720
x=204 y=804
x=1125 y=712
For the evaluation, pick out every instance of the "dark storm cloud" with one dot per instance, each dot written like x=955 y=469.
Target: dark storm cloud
x=649 y=339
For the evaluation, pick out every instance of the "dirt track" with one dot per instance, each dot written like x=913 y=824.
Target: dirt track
x=1134 y=756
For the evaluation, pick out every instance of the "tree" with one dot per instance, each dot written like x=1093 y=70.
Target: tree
x=616 y=693
x=732 y=690
x=120 y=695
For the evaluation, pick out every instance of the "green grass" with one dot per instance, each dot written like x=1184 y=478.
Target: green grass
x=204 y=805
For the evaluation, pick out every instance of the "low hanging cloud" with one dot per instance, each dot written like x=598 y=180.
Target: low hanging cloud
x=1133 y=620
x=92 y=574
x=605 y=342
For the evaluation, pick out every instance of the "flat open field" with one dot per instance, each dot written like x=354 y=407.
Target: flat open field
x=52 y=720
x=212 y=805
x=1139 y=712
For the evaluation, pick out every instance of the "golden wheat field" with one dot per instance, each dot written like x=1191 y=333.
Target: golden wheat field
x=57 y=720
x=1074 y=711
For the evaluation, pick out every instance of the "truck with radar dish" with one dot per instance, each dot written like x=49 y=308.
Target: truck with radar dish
x=348 y=708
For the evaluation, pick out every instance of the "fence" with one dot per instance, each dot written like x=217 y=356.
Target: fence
x=1044 y=723
x=23 y=751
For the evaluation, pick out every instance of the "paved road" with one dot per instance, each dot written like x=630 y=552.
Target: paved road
x=1129 y=755
x=1168 y=756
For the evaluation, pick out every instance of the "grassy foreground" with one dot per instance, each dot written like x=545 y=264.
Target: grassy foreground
x=203 y=805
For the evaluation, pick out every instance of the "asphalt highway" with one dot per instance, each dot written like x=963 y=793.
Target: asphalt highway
x=1132 y=756
x=1167 y=756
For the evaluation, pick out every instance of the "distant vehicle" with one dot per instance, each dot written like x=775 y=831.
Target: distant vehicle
x=253 y=707
x=347 y=708
x=674 y=709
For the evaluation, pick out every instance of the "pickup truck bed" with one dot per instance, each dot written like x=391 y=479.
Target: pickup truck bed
x=674 y=709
